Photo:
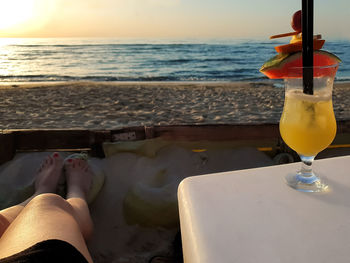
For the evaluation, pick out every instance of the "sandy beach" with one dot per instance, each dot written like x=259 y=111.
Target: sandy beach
x=117 y=238
x=111 y=105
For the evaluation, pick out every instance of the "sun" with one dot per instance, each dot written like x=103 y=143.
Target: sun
x=15 y=13
x=25 y=17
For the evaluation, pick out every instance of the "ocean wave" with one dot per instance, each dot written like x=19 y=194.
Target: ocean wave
x=109 y=60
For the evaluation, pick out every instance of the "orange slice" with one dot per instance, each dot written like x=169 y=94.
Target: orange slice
x=297 y=46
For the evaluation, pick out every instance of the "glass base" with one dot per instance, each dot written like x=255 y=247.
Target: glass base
x=306 y=184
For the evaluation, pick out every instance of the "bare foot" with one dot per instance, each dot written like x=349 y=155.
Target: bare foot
x=48 y=174
x=79 y=178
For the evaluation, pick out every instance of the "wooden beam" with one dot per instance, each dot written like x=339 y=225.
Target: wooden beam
x=218 y=132
x=7 y=147
x=68 y=139
x=51 y=139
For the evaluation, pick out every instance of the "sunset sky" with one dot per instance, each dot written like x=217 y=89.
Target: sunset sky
x=166 y=18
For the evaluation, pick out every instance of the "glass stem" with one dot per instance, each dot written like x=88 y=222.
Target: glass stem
x=306 y=166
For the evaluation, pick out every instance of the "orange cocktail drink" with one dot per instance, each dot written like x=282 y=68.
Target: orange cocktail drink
x=308 y=124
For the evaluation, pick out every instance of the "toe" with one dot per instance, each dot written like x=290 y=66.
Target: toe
x=57 y=159
x=81 y=163
x=45 y=163
x=68 y=163
x=76 y=163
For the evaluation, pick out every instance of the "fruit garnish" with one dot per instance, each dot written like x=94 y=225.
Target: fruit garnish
x=278 y=66
x=284 y=35
x=298 y=45
x=296 y=25
x=296 y=38
x=290 y=55
x=296 y=21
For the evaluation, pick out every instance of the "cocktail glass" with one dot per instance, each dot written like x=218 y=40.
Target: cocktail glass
x=308 y=124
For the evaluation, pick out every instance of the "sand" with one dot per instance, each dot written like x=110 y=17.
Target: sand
x=98 y=105
x=114 y=239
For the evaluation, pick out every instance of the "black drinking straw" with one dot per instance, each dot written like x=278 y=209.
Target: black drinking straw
x=308 y=44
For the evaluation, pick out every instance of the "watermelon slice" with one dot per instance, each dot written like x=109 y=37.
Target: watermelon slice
x=280 y=65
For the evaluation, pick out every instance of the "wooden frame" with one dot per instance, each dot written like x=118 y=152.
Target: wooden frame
x=13 y=141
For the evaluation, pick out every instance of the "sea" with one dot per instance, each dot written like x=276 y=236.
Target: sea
x=113 y=59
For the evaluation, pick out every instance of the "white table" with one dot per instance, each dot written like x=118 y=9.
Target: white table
x=253 y=216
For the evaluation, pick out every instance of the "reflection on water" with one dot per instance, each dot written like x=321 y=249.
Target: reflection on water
x=101 y=59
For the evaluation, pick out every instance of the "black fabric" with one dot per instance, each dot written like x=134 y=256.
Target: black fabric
x=47 y=251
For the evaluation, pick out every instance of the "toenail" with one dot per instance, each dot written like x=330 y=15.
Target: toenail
x=55 y=155
x=69 y=160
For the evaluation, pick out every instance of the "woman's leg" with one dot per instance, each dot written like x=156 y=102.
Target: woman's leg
x=46 y=181
x=79 y=179
x=48 y=216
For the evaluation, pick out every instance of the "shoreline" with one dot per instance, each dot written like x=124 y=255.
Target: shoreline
x=123 y=83
x=114 y=105
x=171 y=82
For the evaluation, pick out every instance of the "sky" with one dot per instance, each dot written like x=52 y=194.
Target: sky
x=166 y=18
